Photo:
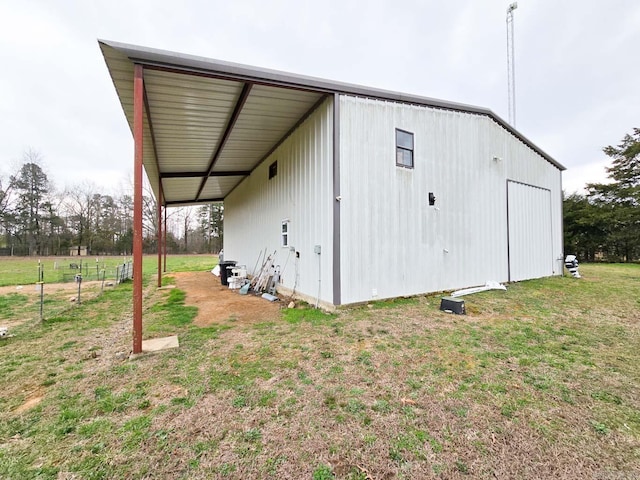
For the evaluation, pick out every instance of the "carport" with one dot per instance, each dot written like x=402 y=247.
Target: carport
x=199 y=127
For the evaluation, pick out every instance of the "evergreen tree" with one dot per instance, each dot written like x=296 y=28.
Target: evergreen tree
x=30 y=212
x=586 y=227
x=620 y=199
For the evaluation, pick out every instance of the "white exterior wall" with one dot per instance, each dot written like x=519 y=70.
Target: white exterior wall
x=392 y=242
x=301 y=192
x=530 y=232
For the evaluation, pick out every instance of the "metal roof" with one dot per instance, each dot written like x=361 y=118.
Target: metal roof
x=209 y=123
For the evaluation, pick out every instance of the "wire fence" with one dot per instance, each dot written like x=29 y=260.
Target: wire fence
x=116 y=273
x=59 y=306
x=64 y=287
x=124 y=272
x=54 y=302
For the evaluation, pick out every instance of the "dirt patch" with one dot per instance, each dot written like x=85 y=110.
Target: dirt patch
x=30 y=289
x=217 y=303
x=33 y=399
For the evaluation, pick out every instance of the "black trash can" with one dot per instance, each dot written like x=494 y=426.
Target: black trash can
x=225 y=271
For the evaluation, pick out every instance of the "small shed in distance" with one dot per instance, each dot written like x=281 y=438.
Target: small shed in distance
x=361 y=193
x=78 y=251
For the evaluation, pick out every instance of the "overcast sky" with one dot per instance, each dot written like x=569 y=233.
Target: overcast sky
x=577 y=69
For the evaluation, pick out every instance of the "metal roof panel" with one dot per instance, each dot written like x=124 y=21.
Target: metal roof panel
x=191 y=100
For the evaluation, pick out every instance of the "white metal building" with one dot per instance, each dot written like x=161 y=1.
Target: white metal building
x=362 y=193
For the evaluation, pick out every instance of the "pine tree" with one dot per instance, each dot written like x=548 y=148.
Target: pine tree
x=621 y=197
x=32 y=207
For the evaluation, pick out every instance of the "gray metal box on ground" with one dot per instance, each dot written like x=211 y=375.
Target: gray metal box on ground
x=453 y=305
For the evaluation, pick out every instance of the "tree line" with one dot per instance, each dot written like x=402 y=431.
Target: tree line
x=37 y=219
x=604 y=223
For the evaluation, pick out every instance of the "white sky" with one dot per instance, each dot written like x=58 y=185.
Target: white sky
x=577 y=69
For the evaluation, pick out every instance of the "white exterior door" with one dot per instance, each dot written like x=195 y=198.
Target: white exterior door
x=530 y=235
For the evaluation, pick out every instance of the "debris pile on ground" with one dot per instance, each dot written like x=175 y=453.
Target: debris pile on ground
x=263 y=282
x=490 y=285
x=267 y=278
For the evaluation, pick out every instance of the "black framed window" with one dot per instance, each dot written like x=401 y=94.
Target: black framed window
x=273 y=169
x=404 y=148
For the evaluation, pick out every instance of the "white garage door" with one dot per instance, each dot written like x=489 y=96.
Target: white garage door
x=529 y=217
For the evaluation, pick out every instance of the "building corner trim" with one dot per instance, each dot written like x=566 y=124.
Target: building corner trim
x=337 y=287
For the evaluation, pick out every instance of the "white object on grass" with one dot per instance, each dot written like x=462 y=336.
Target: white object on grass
x=490 y=285
x=571 y=262
x=216 y=270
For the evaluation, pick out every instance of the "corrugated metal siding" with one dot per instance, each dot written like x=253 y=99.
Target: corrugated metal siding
x=302 y=193
x=530 y=238
x=189 y=117
x=180 y=188
x=267 y=115
x=523 y=165
x=393 y=243
x=216 y=187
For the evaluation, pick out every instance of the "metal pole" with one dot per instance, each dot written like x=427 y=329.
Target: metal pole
x=319 y=280
x=138 y=131
x=511 y=65
x=159 y=233
x=41 y=299
x=164 y=243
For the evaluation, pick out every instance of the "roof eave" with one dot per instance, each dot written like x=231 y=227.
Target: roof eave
x=205 y=66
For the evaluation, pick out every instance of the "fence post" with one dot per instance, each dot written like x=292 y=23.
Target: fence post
x=79 y=280
x=41 y=286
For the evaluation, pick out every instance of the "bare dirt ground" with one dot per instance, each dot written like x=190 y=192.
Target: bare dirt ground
x=217 y=303
x=30 y=289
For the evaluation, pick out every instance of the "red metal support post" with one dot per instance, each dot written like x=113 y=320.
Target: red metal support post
x=138 y=125
x=164 y=243
x=159 y=232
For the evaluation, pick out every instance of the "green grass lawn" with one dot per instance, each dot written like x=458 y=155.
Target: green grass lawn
x=540 y=381
x=24 y=270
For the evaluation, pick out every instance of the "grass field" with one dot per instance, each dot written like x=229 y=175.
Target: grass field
x=24 y=270
x=540 y=381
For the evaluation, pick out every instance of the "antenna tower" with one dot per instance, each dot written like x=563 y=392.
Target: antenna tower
x=511 y=65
